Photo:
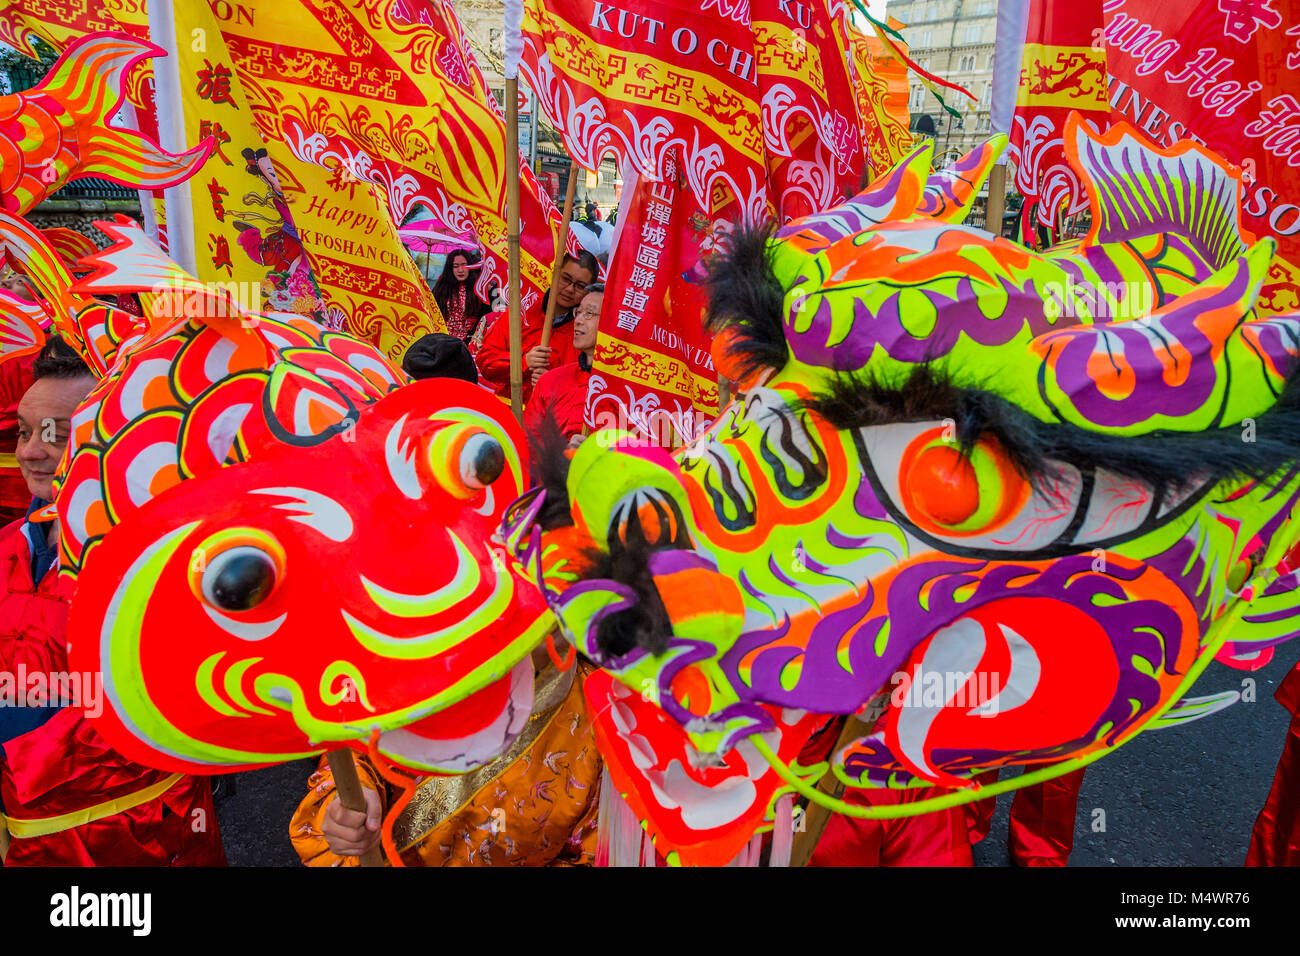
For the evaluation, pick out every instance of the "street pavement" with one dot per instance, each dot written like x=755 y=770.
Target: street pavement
x=1186 y=796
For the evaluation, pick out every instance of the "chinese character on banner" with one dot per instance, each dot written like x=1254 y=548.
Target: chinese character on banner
x=654 y=235
x=220 y=249
x=648 y=257
x=642 y=278
x=1293 y=58
x=1244 y=17
x=211 y=128
x=214 y=84
x=216 y=191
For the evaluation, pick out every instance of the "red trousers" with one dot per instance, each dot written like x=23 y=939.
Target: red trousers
x=1276 y=838
x=930 y=839
x=1041 y=831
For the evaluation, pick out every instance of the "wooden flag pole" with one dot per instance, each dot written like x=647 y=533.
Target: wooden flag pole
x=561 y=245
x=348 y=785
x=997 y=203
x=815 y=815
x=515 y=314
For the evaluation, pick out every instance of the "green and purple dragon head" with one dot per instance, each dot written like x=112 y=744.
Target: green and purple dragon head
x=1002 y=506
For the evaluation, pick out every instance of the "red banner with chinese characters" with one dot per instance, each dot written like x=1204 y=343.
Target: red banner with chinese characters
x=643 y=79
x=1222 y=72
x=1062 y=70
x=811 y=135
x=653 y=371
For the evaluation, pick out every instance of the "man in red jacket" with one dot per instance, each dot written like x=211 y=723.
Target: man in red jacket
x=66 y=798
x=576 y=273
x=561 y=393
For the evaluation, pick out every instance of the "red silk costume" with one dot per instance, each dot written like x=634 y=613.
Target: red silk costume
x=1041 y=828
x=62 y=772
x=1276 y=838
x=562 y=394
x=494 y=356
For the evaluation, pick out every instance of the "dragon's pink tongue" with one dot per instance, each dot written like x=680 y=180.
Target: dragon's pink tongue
x=474 y=713
x=470 y=734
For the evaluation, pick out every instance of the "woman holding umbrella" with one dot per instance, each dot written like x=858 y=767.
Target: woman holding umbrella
x=454 y=293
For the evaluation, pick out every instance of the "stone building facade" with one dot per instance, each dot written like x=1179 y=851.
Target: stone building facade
x=953 y=39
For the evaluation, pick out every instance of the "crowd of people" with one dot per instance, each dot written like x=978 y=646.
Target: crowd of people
x=68 y=799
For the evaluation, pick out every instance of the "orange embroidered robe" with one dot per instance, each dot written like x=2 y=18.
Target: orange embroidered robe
x=535 y=805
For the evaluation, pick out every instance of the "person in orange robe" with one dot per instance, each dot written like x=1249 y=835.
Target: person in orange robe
x=493 y=356
x=535 y=805
x=1276 y=837
x=66 y=798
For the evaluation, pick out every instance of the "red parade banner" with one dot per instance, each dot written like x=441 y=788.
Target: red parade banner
x=653 y=371
x=1221 y=72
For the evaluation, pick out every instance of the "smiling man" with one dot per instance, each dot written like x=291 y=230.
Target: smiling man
x=576 y=274
x=562 y=392
x=66 y=799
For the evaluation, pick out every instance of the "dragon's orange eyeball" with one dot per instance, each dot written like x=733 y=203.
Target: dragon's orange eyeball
x=951 y=493
x=943 y=485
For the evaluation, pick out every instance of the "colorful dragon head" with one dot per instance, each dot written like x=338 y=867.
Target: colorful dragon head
x=1019 y=500
x=278 y=550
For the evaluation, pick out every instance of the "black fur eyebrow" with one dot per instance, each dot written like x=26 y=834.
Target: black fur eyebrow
x=744 y=294
x=1169 y=461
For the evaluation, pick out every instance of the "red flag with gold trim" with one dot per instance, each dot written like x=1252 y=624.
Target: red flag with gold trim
x=357 y=84
x=1222 y=72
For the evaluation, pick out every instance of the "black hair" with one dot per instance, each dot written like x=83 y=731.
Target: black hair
x=1167 y=460
x=625 y=557
x=58 y=359
x=584 y=260
x=596 y=287
x=439 y=355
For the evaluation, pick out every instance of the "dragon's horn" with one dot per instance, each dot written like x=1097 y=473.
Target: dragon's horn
x=950 y=193
x=86 y=82
x=1136 y=189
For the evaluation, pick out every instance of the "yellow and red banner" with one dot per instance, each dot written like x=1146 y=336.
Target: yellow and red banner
x=241 y=229
x=811 y=132
x=881 y=91
x=1062 y=69
x=360 y=85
